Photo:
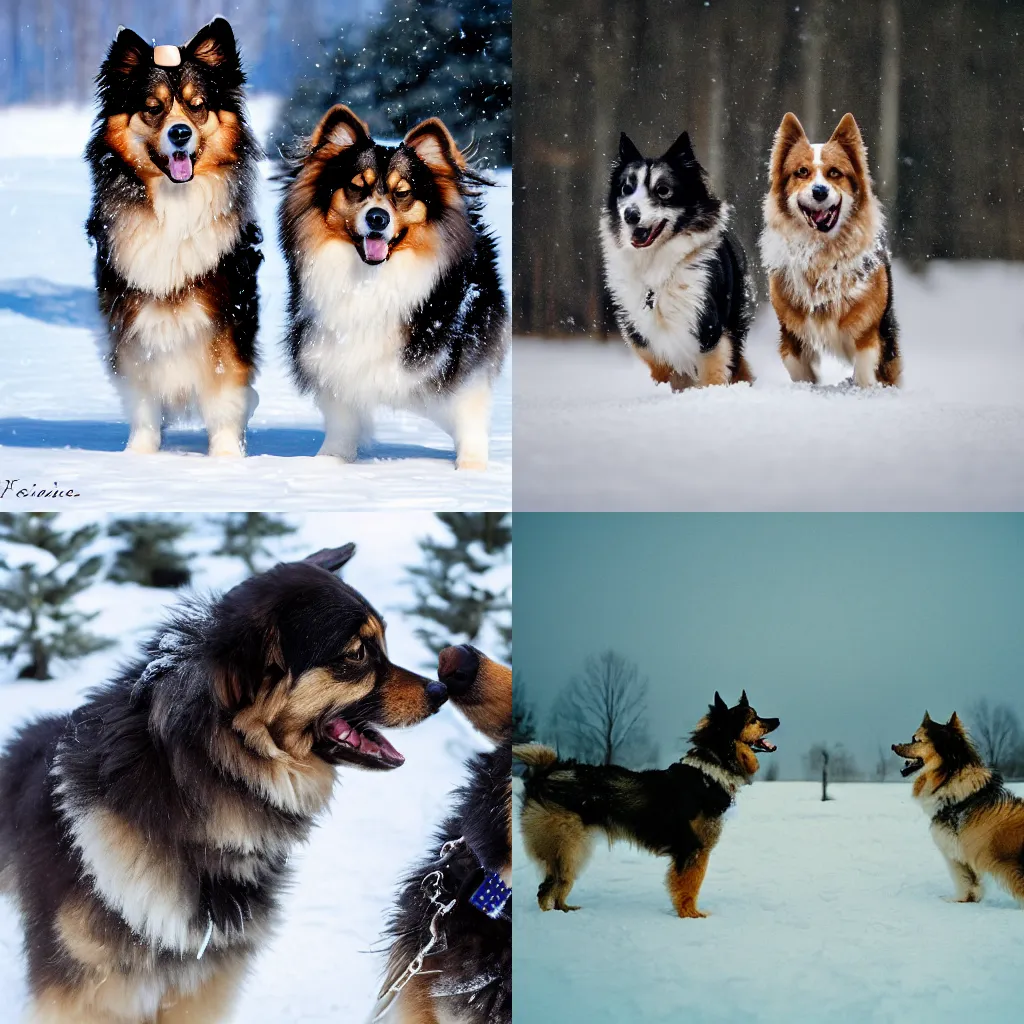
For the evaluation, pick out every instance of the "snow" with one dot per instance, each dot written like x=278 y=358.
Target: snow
x=818 y=911
x=62 y=425
x=324 y=964
x=592 y=432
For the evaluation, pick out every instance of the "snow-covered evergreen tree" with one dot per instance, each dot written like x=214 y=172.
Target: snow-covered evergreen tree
x=150 y=556
x=245 y=536
x=460 y=589
x=422 y=58
x=41 y=579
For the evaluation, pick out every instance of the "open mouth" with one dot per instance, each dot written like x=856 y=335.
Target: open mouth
x=912 y=765
x=375 y=248
x=822 y=220
x=180 y=166
x=350 y=743
x=643 y=237
x=763 y=746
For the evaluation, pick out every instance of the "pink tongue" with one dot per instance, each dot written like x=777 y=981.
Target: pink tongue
x=376 y=249
x=180 y=166
x=342 y=732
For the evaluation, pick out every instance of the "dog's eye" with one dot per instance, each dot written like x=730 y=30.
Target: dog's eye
x=628 y=188
x=835 y=173
x=662 y=191
x=356 y=655
x=403 y=193
x=153 y=106
x=802 y=172
x=196 y=103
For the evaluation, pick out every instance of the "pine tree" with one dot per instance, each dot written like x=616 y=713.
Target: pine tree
x=149 y=556
x=246 y=534
x=524 y=726
x=423 y=58
x=457 y=594
x=36 y=603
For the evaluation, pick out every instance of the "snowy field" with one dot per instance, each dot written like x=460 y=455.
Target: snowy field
x=61 y=420
x=324 y=964
x=592 y=432
x=818 y=911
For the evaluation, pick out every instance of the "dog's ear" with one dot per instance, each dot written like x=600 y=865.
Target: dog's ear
x=247 y=658
x=628 y=153
x=340 y=127
x=431 y=141
x=214 y=45
x=790 y=132
x=128 y=54
x=847 y=134
x=681 y=150
x=719 y=704
x=955 y=723
x=332 y=559
x=743 y=700
x=927 y=719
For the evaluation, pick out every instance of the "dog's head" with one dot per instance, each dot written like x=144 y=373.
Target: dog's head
x=302 y=672
x=173 y=111
x=820 y=186
x=733 y=734
x=938 y=751
x=480 y=688
x=381 y=199
x=652 y=200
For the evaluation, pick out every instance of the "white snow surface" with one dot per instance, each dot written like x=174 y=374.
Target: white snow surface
x=593 y=432
x=61 y=419
x=324 y=964
x=818 y=911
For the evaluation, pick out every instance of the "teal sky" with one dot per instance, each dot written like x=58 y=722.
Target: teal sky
x=847 y=627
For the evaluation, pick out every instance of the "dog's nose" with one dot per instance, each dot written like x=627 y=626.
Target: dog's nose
x=457 y=668
x=819 y=192
x=894 y=750
x=377 y=219
x=632 y=216
x=437 y=694
x=179 y=134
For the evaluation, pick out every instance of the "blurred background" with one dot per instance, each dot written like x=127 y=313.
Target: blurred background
x=934 y=84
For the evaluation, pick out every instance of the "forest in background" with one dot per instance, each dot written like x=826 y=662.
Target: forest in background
x=935 y=85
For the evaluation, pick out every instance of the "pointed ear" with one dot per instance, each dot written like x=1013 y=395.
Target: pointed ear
x=955 y=723
x=340 y=127
x=431 y=141
x=743 y=699
x=847 y=134
x=720 y=704
x=332 y=559
x=681 y=150
x=628 y=153
x=214 y=45
x=927 y=718
x=128 y=53
x=790 y=132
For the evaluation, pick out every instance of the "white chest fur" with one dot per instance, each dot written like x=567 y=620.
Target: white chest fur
x=361 y=316
x=182 y=234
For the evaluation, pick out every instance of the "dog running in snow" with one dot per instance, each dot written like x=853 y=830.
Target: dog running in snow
x=173 y=166
x=676 y=274
x=466 y=976
x=395 y=298
x=976 y=822
x=145 y=836
x=676 y=812
x=824 y=249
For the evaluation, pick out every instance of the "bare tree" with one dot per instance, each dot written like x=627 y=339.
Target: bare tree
x=996 y=731
x=600 y=716
x=833 y=761
x=771 y=773
x=883 y=764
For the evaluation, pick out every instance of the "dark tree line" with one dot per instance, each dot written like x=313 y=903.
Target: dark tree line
x=936 y=86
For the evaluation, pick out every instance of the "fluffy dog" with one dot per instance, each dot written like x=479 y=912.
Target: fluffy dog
x=395 y=298
x=174 y=172
x=145 y=836
x=676 y=812
x=976 y=822
x=824 y=249
x=676 y=274
x=467 y=971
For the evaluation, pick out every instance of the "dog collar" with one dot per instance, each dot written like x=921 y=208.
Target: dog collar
x=492 y=895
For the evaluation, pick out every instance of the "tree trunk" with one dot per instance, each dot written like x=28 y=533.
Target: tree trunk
x=889 y=106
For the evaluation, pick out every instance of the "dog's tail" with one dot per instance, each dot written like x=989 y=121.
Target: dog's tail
x=537 y=755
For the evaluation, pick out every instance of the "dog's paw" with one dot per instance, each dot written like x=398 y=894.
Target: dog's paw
x=470 y=463
x=143 y=444
x=567 y=908
x=225 y=448
x=691 y=911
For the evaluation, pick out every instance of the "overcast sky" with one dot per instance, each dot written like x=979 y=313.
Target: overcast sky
x=847 y=627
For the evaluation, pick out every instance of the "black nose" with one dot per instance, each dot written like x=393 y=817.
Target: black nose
x=457 y=667
x=631 y=216
x=819 y=192
x=377 y=219
x=179 y=134
x=437 y=694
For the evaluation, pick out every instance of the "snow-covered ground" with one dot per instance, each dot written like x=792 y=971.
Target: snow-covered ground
x=592 y=432
x=819 y=912
x=323 y=965
x=61 y=421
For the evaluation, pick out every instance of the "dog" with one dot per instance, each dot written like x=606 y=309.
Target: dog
x=676 y=274
x=173 y=165
x=467 y=972
x=976 y=822
x=394 y=297
x=145 y=836
x=823 y=247
x=676 y=812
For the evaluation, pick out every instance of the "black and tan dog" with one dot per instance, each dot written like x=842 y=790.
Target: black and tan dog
x=976 y=822
x=674 y=813
x=466 y=965
x=145 y=836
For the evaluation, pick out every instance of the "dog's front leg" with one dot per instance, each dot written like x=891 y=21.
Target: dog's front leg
x=968 y=884
x=684 y=882
x=226 y=410
x=344 y=427
x=145 y=413
x=470 y=415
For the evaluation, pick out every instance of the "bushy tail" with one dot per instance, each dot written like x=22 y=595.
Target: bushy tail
x=537 y=755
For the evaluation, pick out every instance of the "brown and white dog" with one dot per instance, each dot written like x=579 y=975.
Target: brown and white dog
x=823 y=246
